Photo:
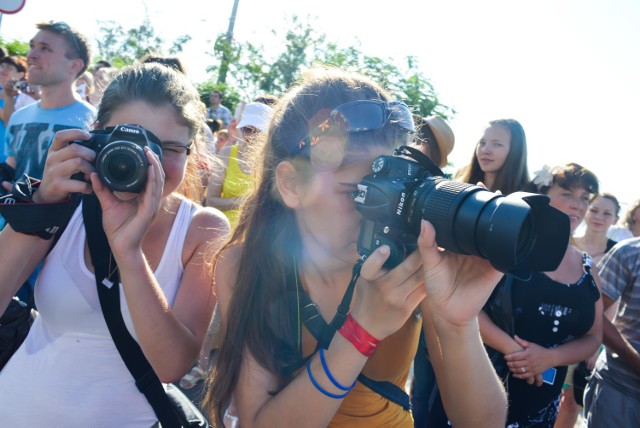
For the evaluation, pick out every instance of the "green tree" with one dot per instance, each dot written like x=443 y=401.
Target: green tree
x=122 y=47
x=252 y=71
x=15 y=47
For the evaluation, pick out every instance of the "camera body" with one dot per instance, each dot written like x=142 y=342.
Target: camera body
x=518 y=233
x=21 y=86
x=120 y=161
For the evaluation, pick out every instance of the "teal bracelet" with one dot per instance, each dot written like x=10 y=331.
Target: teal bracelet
x=321 y=389
x=330 y=376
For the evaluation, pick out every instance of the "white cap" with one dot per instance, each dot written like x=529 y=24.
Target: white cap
x=257 y=115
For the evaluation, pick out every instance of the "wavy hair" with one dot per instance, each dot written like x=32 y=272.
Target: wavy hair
x=258 y=320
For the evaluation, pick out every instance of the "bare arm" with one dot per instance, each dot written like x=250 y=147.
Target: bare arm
x=395 y=294
x=617 y=343
x=20 y=254
x=183 y=326
x=457 y=288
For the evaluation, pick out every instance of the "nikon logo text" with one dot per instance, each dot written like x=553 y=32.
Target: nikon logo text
x=130 y=130
x=401 y=203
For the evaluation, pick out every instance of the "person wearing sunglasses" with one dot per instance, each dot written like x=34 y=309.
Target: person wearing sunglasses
x=229 y=184
x=290 y=263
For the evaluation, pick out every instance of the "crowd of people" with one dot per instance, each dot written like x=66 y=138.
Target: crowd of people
x=238 y=260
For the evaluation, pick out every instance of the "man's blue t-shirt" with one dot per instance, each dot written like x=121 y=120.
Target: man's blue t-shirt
x=31 y=129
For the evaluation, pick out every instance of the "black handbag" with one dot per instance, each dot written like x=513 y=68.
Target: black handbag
x=171 y=406
x=14 y=327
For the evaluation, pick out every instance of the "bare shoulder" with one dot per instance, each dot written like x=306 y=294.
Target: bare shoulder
x=208 y=230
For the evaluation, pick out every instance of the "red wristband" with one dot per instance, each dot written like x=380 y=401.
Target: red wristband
x=360 y=338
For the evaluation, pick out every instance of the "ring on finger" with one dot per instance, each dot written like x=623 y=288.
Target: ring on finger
x=523 y=370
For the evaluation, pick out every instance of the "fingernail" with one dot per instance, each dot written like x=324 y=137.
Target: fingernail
x=384 y=250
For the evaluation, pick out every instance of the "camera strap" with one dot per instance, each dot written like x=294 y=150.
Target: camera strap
x=324 y=333
x=146 y=379
x=26 y=216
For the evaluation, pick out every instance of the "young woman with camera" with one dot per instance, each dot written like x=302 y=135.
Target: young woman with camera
x=289 y=263
x=556 y=316
x=159 y=239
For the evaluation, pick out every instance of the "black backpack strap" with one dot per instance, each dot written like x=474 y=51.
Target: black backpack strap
x=388 y=390
x=107 y=283
x=317 y=326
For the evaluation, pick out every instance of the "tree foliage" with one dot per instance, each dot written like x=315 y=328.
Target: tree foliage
x=122 y=47
x=15 y=47
x=252 y=70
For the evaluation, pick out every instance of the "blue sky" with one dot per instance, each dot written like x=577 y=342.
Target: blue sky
x=568 y=70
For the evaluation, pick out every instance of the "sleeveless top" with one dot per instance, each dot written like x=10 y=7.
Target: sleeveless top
x=68 y=371
x=236 y=183
x=548 y=313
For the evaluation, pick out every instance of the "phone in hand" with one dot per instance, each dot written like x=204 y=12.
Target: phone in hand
x=549 y=376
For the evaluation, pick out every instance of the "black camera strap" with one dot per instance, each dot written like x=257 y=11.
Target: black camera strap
x=324 y=333
x=26 y=216
x=146 y=379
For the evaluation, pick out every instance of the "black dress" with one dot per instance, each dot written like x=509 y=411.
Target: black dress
x=549 y=314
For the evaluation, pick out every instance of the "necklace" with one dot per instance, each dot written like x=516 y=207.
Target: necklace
x=107 y=281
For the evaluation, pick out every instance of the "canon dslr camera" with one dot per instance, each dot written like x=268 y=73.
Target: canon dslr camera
x=519 y=233
x=120 y=160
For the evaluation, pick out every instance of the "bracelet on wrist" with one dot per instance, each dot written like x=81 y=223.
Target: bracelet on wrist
x=360 y=338
x=321 y=389
x=330 y=376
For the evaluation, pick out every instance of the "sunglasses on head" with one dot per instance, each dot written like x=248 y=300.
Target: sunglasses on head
x=362 y=116
x=65 y=30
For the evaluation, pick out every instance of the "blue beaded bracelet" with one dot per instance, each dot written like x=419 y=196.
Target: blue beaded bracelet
x=321 y=389
x=330 y=376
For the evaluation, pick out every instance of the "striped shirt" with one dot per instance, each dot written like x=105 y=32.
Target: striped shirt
x=619 y=272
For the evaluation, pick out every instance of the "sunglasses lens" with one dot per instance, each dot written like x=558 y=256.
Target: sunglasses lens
x=360 y=116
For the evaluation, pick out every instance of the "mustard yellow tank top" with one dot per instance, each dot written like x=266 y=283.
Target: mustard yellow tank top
x=236 y=183
x=364 y=408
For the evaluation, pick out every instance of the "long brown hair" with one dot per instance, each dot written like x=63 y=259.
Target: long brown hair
x=514 y=174
x=259 y=319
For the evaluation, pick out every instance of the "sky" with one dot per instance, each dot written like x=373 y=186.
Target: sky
x=568 y=70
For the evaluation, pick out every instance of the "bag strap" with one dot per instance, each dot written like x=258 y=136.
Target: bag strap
x=506 y=309
x=146 y=379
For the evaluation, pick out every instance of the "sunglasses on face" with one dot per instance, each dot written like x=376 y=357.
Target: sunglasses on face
x=362 y=116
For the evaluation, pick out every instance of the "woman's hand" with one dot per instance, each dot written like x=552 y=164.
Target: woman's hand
x=126 y=220
x=457 y=286
x=532 y=360
x=63 y=161
x=386 y=298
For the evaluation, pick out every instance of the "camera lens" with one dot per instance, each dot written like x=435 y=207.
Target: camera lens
x=519 y=233
x=122 y=166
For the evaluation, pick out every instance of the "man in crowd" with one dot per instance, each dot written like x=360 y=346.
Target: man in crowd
x=58 y=55
x=217 y=110
x=612 y=397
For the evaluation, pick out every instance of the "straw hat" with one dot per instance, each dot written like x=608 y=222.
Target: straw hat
x=444 y=136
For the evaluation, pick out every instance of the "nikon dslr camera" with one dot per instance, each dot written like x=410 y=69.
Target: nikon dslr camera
x=120 y=160
x=519 y=233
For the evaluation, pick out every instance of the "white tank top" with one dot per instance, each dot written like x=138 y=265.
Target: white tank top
x=68 y=372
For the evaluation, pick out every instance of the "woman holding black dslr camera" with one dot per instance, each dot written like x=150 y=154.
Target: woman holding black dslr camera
x=291 y=258
x=68 y=365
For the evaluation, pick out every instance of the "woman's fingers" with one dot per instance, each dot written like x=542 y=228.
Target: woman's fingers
x=372 y=267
